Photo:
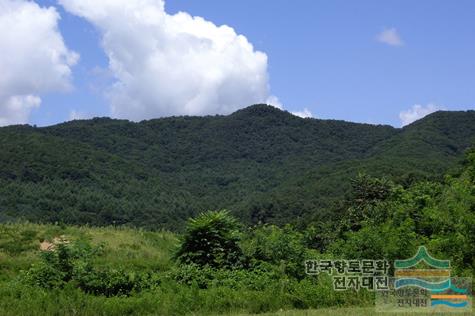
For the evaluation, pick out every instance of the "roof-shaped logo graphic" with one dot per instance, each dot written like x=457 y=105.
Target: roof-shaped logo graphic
x=422 y=255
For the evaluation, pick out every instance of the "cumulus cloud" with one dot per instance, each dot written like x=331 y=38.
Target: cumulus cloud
x=173 y=64
x=275 y=102
x=417 y=112
x=305 y=113
x=34 y=58
x=390 y=37
x=16 y=109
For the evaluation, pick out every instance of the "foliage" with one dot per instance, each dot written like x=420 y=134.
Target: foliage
x=120 y=276
x=258 y=278
x=367 y=200
x=16 y=242
x=320 y=235
x=438 y=215
x=57 y=267
x=263 y=164
x=113 y=282
x=282 y=247
x=73 y=263
x=212 y=239
x=117 y=288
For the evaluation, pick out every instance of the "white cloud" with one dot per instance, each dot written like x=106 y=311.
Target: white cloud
x=390 y=37
x=34 y=58
x=16 y=109
x=303 y=114
x=417 y=112
x=173 y=64
x=275 y=102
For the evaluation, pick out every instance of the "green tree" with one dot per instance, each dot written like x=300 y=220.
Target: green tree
x=282 y=247
x=212 y=239
x=366 y=198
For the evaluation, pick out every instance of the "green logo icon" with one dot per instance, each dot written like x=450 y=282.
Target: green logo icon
x=422 y=255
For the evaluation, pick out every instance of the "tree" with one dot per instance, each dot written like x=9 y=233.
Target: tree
x=368 y=194
x=212 y=239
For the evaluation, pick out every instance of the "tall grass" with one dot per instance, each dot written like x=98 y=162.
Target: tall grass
x=239 y=292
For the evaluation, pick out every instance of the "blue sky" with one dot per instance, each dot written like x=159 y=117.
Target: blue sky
x=324 y=56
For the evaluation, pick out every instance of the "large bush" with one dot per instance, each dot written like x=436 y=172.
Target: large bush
x=212 y=239
x=282 y=247
x=56 y=268
x=73 y=264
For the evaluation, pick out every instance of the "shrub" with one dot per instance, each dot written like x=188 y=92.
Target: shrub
x=259 y=278
x=283 y=247
x=44 y=275
x=73 y=264
x=56 y=267
x=112 y=282
x=212 y=239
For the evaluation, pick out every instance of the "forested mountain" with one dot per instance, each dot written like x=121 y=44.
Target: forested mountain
x=263 y=164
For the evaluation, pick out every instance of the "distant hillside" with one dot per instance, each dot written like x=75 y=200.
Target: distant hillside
x=261 y=163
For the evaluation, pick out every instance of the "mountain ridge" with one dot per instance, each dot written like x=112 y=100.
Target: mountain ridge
x=262 y=163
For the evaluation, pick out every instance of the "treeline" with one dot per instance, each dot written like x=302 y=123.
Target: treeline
x=220 y=265
x=263 y=164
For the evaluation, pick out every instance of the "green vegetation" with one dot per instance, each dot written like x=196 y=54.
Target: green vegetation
x=55 y=283
x=124 y=271
x=212 y=240
x=262 y=164
x=296 y=189
x=438 y=215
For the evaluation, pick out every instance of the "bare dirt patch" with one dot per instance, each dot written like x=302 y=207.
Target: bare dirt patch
x=46 y=245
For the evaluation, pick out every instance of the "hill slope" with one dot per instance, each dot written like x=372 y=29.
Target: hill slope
x=262 y=163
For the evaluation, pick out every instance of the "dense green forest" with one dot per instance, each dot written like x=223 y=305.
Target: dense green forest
x=263 y=164
x=220 y=266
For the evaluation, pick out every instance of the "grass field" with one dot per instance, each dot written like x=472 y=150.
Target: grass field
x=133 y=248
x=137 y=251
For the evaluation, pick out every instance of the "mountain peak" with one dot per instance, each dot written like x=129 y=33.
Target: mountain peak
x=155 y=173
x=259 y=110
